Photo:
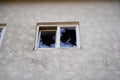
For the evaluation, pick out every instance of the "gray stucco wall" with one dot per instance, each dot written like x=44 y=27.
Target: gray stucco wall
x=98 y=59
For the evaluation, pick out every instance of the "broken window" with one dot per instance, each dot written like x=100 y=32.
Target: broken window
x=57 y=35
x=2 y=29
x=1 y=32
x=47 y=37
x=68 y=37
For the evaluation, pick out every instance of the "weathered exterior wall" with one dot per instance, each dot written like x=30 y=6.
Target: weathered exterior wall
x=98 y=59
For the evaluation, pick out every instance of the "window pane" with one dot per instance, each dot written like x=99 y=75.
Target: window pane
x=1 y=32
x=47 y=39
x=68 y=37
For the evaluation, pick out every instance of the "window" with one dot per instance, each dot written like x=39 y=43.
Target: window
x=2 y=29
x=68 y=37
x=47 y=37
x=57 y=35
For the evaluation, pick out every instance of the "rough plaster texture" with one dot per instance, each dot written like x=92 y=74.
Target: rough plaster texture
x=98 y=59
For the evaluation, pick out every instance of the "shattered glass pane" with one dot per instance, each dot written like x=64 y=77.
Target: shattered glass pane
x=1 y=32
x=47 y=39
x=68 y=37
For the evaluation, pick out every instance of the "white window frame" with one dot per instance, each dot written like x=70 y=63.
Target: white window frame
x=2 y=34
x=57 y=42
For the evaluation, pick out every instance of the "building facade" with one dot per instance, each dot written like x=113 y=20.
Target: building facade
x=97 y=58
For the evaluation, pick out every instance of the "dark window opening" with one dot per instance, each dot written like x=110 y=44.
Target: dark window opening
x=47 y=37
x=1 y=32
x=68 y=37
